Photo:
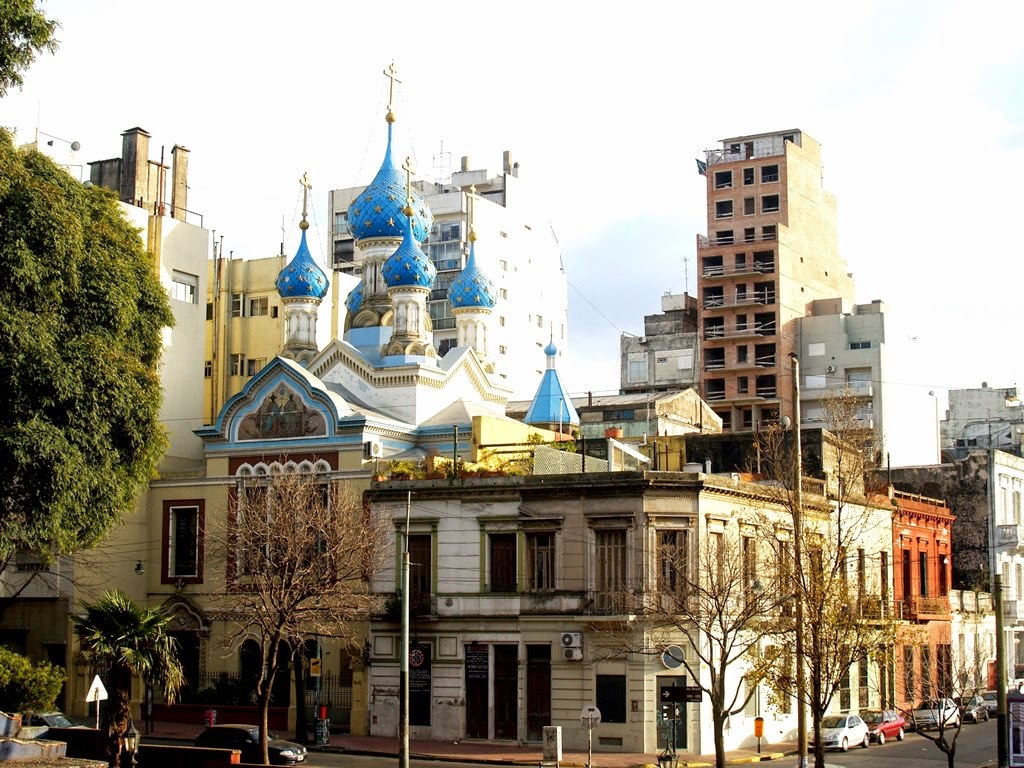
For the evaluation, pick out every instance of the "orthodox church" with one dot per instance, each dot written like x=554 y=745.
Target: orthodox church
x=382 y=391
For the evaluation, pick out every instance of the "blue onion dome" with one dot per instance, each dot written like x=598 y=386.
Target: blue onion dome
x=302 y=278
x=355 y=298
x=472 y=288
x=551 y=350
x=378 y=211
x=409 y=265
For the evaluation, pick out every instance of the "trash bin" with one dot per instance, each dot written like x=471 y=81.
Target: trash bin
x=210 y=717
x=322 y=731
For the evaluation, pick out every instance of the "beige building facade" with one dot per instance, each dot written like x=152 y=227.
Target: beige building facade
x=771 y=249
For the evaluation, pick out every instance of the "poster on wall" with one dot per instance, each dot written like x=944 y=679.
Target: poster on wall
x=419 y=684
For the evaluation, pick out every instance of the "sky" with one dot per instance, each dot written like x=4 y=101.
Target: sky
x=918 y=106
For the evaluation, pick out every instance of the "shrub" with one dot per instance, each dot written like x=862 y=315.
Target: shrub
x=25 y=686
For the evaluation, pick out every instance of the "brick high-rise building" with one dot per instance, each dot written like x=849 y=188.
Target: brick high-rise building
x=771 y=249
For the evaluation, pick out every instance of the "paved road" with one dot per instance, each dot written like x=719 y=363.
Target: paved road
x=975 y=747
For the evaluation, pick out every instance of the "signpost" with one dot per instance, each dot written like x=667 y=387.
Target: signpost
x=590 y=716
x=96 y=693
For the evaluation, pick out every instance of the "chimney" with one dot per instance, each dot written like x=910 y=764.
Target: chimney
x=465 y=163
x=506 y=160
x=179 y=181
x=134 y=166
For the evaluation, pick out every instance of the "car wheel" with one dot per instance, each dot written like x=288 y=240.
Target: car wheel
x=900 y=735
x=867 y=740
x=845 y=745
x=881 y=738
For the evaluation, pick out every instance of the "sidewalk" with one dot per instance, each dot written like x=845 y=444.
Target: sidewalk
x=487 y=751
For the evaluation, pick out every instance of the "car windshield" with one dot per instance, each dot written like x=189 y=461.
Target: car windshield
x=871 y=717
x=929 y=704
x=56 y=719
x=833 y=722
x=965 y=700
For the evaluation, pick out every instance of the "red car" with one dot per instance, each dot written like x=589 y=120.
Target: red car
x=884 y=724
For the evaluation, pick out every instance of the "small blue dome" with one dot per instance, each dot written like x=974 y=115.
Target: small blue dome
x=551 y=350
x=355 y=299
x=472 y=288
x=379 y=210
x=409 y=265
x=302 y=278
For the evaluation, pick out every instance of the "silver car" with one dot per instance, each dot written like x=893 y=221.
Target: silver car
x=936 y=713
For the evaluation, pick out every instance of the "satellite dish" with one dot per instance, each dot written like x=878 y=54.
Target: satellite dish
x=75 y=146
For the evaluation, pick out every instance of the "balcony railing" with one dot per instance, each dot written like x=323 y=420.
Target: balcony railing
x=703 y=241
x=761 y=299
x=860 y=390
x=925 y=606
x=1009 y=535
x=966 y=601
x=750 y=329
x=753 y=268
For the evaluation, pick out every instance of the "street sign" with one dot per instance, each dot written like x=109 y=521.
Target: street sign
x=315 y=666
x=693 y=694
x=590 y=716
x=96 y=690
x=674 y=694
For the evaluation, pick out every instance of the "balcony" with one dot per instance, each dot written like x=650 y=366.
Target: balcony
x=1009 y=536
x=759 y=299
x=749 y=330
x=704 y=242
x=966 y=601
x=1013 y=610
x=924 y=608
x=753 y=268
x=858 y=390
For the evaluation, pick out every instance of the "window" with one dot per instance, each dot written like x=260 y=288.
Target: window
x=723 y=179
x=673 y=554
x=209 y=310
x=861 y=575
x=183 y=541
x=237 y=305
x=926 y=671
x=503 y=293
x=769 y=203
x=254 y=366
x=742 y=385
x=723 y=209
x=844 y=690
x=748 y=176
x=611 y=698
x=748 y=206
x=540 y=321
x=610 y=549
x=237 y=365
x=768 y=232
x=636 y=367
x=885 y=577
x=749 y=233
x=503 y=265
x=922 y=572
x=862 y=682
x=340 y=223
x=769 y=173
x=860 y=345
x=502 y=561
x=540 y=561
x=501 y=321
x=908 y=673
x=208 y=369
x=420 y=572
x=184 y=287
x=502 y=349
x=749 y=566
x=723 y=237
x=258 y=306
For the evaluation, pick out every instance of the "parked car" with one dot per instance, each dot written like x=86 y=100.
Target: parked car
x=840 y=731
x=884 y=724
x=246 y=738
x=973 y=708
x=50 y=720
x=935 y=713
x=991 y=702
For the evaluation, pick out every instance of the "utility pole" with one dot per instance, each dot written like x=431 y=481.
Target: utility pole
x=403 y=724
x=1002 y=742
x=798 y=568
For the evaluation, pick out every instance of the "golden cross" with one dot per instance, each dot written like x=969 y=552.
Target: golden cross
x=306 y=186
x=472 y=201
x=392 y=74
x=407 y=167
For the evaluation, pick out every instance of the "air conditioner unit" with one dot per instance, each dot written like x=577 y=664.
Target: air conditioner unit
x=573 y=654
x=372 y=449
x=572 y=640
x=830 y=369
x=641 y=339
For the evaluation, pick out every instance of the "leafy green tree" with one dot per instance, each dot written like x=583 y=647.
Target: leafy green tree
x=28 y=686
x=127 y=639
x=81 y=319
x=24 y=32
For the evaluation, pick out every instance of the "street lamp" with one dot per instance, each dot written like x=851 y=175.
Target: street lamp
x=668 y=758
x=798 y=503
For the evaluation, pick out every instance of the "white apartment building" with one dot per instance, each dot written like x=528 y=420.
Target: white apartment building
x=516 y=249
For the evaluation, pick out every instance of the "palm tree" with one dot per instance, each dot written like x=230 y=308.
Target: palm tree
x=129 y=640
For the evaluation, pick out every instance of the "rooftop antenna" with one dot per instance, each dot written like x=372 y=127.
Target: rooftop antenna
x=443 y=164
x=686 y=274
x=282 y=234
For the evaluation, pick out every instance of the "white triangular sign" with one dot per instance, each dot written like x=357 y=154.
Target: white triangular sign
x=96 y=690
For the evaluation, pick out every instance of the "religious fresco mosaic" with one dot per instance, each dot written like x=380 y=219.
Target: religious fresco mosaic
x=282 y=414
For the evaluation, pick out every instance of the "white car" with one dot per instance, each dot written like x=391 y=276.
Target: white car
x=936 y=713
x=840 y=731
